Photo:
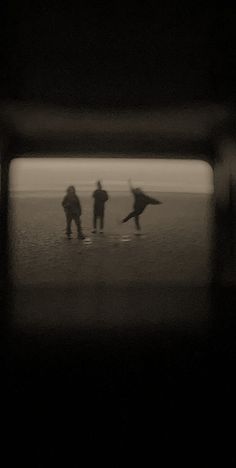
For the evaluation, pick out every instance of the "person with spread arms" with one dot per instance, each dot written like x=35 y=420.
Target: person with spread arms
x=141 y=200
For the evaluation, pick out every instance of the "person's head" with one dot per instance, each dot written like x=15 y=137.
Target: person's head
x=99 y=185
x=71 y=190
x=138 y=190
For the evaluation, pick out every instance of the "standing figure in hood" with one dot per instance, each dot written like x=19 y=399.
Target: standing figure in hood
x=100 y=198
x=72 y=208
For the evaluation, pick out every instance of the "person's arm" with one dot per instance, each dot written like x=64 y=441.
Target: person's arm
x=130 y=186
x=64 y=201
x=153 y=201
x=106 y=196
x=79 y=206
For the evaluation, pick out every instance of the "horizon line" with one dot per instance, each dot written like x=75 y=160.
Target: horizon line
x=197 y=192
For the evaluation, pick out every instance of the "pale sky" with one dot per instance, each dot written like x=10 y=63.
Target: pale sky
x=161 y=175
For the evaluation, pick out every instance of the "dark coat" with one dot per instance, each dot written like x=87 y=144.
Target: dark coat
x=100 y=197
x=71 y=205
x=141 y=200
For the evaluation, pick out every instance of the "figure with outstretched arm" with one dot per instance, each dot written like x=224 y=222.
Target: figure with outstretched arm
x=100 y=197
x=141 y=200
x=73 y=211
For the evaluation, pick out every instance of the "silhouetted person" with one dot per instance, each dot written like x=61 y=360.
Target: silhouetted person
x=72 y=208
x=100 y=198
x=141 y=200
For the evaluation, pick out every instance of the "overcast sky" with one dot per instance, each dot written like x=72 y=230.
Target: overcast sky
x=161 y=175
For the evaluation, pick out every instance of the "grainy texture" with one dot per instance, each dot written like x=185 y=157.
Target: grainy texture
x=117 y=279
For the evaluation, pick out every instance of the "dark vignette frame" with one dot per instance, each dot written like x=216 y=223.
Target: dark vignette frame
x=206 y=132
x=215 y=140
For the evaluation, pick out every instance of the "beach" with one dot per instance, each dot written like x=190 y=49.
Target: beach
x=115 y=279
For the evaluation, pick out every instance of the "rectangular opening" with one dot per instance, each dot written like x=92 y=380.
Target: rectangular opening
x=158 y=276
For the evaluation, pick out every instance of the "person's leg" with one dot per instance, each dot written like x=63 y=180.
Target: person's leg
x=101 y=221
x=78 y=224
x=68 y=224
x=137 y=224
x=94 y=222
x=130 y=215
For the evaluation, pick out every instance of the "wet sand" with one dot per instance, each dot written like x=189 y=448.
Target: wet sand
x=115 y=279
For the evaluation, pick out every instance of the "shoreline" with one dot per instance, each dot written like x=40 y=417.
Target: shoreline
x=59 y=193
